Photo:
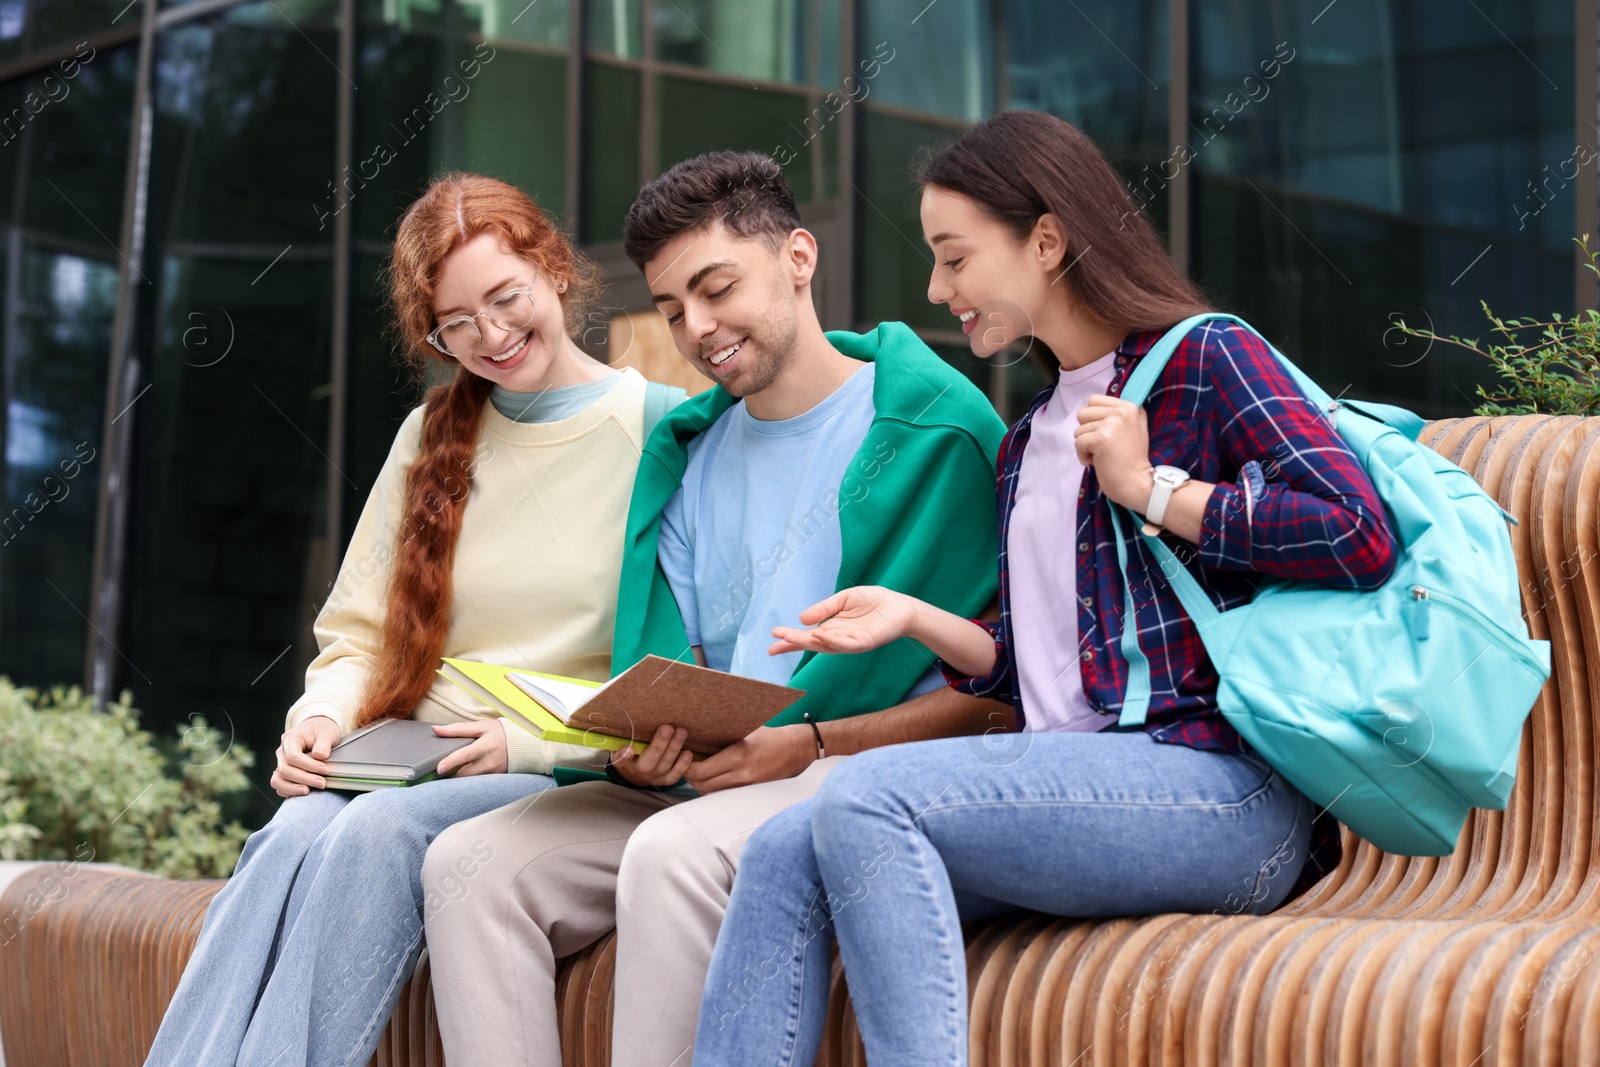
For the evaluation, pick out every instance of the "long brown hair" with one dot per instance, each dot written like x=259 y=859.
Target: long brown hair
x=455 y=209
x=1019 y=165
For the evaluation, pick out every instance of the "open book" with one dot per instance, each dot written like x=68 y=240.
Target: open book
x=716 y=708
x=556 y=695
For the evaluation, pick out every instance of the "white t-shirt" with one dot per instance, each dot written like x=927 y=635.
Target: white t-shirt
x=1042 y=553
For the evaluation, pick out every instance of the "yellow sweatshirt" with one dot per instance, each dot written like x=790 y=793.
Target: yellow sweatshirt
x=536 y=566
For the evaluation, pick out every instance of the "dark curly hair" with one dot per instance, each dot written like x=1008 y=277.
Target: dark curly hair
x=745 y=191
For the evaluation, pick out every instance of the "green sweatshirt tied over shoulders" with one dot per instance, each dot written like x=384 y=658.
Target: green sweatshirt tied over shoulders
x=916 y=513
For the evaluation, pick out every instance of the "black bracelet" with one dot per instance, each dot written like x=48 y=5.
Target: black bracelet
x=821 y=752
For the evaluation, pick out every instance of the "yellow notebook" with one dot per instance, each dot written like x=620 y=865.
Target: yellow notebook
x=489 y=684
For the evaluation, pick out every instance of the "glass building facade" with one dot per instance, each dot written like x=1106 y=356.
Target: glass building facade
x=198 y=384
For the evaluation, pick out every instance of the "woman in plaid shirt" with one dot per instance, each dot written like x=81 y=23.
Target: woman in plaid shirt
x=1036 y=237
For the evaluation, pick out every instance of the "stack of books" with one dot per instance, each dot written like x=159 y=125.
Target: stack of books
x=389 y=753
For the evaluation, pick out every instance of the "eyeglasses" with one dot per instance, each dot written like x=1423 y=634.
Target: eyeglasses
x=460 y=336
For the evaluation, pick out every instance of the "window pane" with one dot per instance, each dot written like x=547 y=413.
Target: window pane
x=1098 y=64
x=514 y=127
x=59 y=275
x=226 y=534
x=543 y=22
x=30 y=25
x=699 y=117
x=1102 y=66
x=610 y=150
x=894 y=262
x=940 y=62
x=1377 y=163
x=432 y=100
x=380 y=389
x=613 y=27
x=757 y=40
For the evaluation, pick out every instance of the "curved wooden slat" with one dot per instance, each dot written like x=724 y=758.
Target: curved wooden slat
x=988 y=984
x=1071 y=1027
x=1114 y=998
x=1236 y=962
x=1581 y=1034
x=1547 y=1017
x=1580 y=569
x=1421 y=1037
x=1159 y=985
x=1341 y=999
x=1043 y=1029
x=1384 y=1029
x=1022 y=1036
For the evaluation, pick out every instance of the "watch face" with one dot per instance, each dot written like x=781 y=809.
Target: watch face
x=1173 y=476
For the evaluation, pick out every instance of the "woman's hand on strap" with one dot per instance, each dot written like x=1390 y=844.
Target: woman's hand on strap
x=486 y=754
x=300 y=755
x=1113 y=437
x=858 y=619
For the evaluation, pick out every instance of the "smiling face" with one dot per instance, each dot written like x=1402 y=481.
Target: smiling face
x=999 y=288
x=730 y=302
x=472 y=278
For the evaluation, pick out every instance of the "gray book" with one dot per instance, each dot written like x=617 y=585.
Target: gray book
x=390 y=752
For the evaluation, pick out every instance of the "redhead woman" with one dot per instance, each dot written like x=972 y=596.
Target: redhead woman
x=1034 y=235
x=493 y=533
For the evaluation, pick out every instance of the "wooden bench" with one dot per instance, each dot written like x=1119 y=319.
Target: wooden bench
x=1482 y=957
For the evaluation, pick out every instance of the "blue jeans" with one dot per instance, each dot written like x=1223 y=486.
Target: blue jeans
x=303 y=953
x=902 y=844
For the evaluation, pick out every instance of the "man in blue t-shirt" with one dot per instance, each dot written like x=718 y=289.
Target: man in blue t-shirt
x=776 y=485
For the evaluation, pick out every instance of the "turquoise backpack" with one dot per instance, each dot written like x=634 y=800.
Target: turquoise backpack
x=1397 y=709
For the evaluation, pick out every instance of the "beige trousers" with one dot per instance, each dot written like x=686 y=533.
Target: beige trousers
x=510 y=892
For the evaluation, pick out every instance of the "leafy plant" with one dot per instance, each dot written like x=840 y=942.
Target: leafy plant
x=86 y=785
x=1548 y=368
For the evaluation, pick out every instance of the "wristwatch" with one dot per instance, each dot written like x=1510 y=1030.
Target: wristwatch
x=1166 y=480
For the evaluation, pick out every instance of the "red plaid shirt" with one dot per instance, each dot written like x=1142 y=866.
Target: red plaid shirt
x=1291 y=501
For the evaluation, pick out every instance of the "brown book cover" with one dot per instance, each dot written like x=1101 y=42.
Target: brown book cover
x=716 y=708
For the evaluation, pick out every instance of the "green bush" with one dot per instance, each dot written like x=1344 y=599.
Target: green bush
x=1548 y=368
x=86 y=785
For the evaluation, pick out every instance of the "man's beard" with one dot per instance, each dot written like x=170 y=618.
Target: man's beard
x=774 y=341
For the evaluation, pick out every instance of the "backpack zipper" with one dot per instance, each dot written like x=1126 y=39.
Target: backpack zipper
x=1421 y=598
x=1417 y=613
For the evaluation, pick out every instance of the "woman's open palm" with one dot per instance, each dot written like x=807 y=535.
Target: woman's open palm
x=858 y=619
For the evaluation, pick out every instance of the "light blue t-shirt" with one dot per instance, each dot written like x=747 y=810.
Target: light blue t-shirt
x=550 y=405
x=751 y=537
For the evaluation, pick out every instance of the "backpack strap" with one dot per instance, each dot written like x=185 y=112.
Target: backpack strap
x=1143 y=379
x=658 y=400
x=1136 y=699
